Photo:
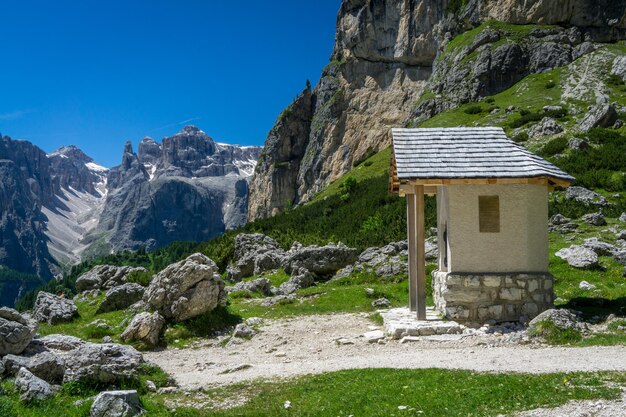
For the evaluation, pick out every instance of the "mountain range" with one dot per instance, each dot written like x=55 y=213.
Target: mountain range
x=62 y=207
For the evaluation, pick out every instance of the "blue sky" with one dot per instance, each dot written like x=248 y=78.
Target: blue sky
x=97 y=73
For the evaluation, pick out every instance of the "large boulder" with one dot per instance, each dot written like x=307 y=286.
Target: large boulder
x=546 y=127
x=256 y=253
x=116 y=404
x=186 y=289
x=104 y=277
x=602 y=115
x=44 y=364
x=32 y=388
x=53 y=309
x=121 y=297
x=106 y=363
x=579 y=257
x=16 y=331
x=145 y=328
x=583 y=195
x=321 y=260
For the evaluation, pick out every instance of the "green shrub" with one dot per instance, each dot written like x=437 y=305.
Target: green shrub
x=142 y=278
x=615 y=80
x=555 y=146
x=490 y=100
x=550 y=85
x=520 y=137
x=528 y=117
x=474 y=109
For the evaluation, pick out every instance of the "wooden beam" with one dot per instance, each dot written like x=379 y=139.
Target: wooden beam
x=421 y=256
x=406 y=189
x=411 y=222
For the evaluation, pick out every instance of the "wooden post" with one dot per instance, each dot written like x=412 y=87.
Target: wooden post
x=421 y=256
x=412 y=240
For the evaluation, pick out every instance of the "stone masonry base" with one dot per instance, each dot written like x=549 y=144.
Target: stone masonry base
x=479 y=298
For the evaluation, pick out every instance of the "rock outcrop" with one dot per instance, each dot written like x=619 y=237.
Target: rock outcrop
x=579 y=257
x=116 y=404
x=145 y=328
x=121 y=297
x=388 y=53
x=32 y=388
x=52 y=309
x=186 y=289
x=16 y=331
x=188 y=188
x=107 y=363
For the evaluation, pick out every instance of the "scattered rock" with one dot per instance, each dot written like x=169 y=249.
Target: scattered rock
x=52 y=309
x=186 y=289
x=622 y=218
x=599 y=116
x=16 y=331
x=261 y=285
x=381 y=303
x=104 y=277
x=583 y=195
x=101 y=363
x=151 y=386
x=374 y=336
x=233 y=274
x=546 y=127
x=619 y=67
x=244 y=331
x=237 y=368
x=584 y=285
x=341 y=341
x=369 y=291
x=577 y=144
x=301 y=278
x=595 y=219
x=121 y=297
x=107 y=339
x=279 y=300
x=321 y=260
x=254 y=321
x=562 y=318
x=620 y=256
x=559 y=219
x=145 y=328
x=61 y=342
x=599 y=247
x=579 y=257
x=116 y=404
x=32 y=388
x=45 y=365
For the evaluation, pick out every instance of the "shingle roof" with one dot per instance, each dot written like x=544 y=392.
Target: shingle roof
x=481 y=152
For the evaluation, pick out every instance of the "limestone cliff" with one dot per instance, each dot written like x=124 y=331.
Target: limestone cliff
x=387 y=54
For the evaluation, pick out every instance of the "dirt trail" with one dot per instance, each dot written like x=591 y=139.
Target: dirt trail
x=306 y=345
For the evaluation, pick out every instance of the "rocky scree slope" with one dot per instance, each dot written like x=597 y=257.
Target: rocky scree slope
x=62 y=207
x=389 y=57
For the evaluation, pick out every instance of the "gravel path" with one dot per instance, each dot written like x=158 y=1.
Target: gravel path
x=306 y=345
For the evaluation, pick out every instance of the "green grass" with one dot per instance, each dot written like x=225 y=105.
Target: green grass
x=346 y=295
x=428 y=392
x=367 y=392
x=81 y=326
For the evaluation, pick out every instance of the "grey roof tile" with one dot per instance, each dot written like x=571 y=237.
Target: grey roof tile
x=481 y=152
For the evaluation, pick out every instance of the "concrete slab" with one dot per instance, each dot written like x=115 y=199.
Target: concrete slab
x=401 y=322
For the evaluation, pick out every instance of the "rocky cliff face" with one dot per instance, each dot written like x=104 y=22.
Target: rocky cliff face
x=186 y=188
x=387 y=68
x=59 y=208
